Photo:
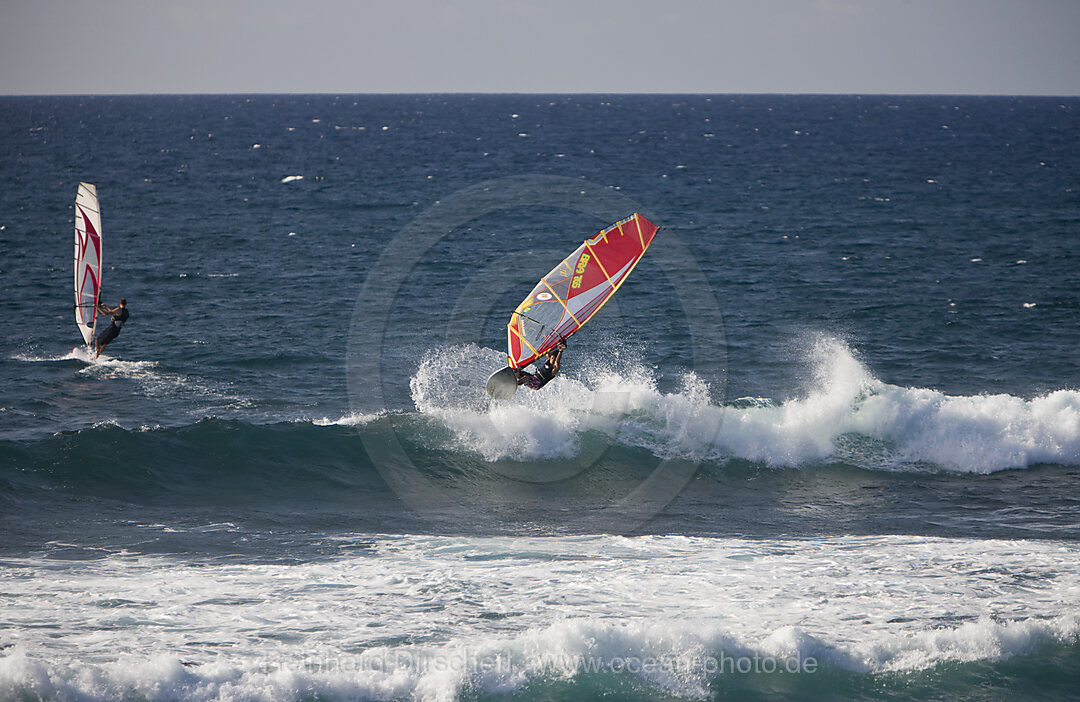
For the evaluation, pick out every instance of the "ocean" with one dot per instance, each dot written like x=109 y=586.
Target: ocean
x=824 y=443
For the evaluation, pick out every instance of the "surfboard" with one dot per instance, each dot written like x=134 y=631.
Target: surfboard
x=502 y=384
x=87 y=260
x=575 y=290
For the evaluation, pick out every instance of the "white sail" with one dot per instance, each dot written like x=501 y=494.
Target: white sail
x=87 y=259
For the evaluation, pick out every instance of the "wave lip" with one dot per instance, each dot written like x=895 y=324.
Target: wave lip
x=913 y=428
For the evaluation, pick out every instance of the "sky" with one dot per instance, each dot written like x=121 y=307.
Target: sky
x=1011 y=47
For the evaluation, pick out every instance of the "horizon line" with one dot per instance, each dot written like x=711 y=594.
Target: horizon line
x=539 y=93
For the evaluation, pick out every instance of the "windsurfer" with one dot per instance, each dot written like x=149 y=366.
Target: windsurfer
x=545 y=373
x=119 y=316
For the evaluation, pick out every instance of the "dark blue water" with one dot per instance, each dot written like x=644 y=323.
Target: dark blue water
x=856 y=331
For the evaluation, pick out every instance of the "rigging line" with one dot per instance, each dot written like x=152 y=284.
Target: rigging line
x=542 y=326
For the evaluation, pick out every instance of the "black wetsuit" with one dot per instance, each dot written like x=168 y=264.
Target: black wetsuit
x=113 y=330
x=544 y=374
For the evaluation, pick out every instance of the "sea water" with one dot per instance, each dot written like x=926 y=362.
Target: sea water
x=823 y=443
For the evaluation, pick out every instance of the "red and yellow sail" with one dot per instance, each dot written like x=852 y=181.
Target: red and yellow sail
x=576 y=289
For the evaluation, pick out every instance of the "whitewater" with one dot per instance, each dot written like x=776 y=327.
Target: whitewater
x=435 y=617
x=844 y=414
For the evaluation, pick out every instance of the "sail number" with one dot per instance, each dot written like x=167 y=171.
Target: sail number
x=582 y=262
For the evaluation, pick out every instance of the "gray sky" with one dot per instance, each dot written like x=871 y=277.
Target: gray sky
x=694 y=46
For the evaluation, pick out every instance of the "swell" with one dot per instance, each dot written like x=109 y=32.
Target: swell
x=307 y=467
x=211 y=461
x=321 y=475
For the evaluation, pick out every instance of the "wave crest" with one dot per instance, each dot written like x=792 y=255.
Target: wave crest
x=846 y=415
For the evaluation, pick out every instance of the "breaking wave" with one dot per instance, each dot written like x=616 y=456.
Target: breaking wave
x=846 y=415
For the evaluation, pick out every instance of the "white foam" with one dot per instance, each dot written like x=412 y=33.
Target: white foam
x=496 y=614
x=983 y=639
x=350 y=420
x=84 y=354
x=78 y=353
x=449 y=385
x=121 y=367
x=980 y=434
x=911 y=428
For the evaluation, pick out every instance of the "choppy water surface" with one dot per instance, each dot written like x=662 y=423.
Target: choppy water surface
x=824 y=443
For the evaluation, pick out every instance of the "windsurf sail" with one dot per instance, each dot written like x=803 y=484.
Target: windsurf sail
x=87 y=259
x=576 y=289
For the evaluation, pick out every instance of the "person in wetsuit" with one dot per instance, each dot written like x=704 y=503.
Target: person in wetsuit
x=546 y=372
x=119 y=316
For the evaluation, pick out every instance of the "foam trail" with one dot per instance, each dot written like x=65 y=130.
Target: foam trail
x=78 y=353
x=354 y=419
x=147 y=375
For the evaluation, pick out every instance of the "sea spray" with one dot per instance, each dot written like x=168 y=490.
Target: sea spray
x=605 y=395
